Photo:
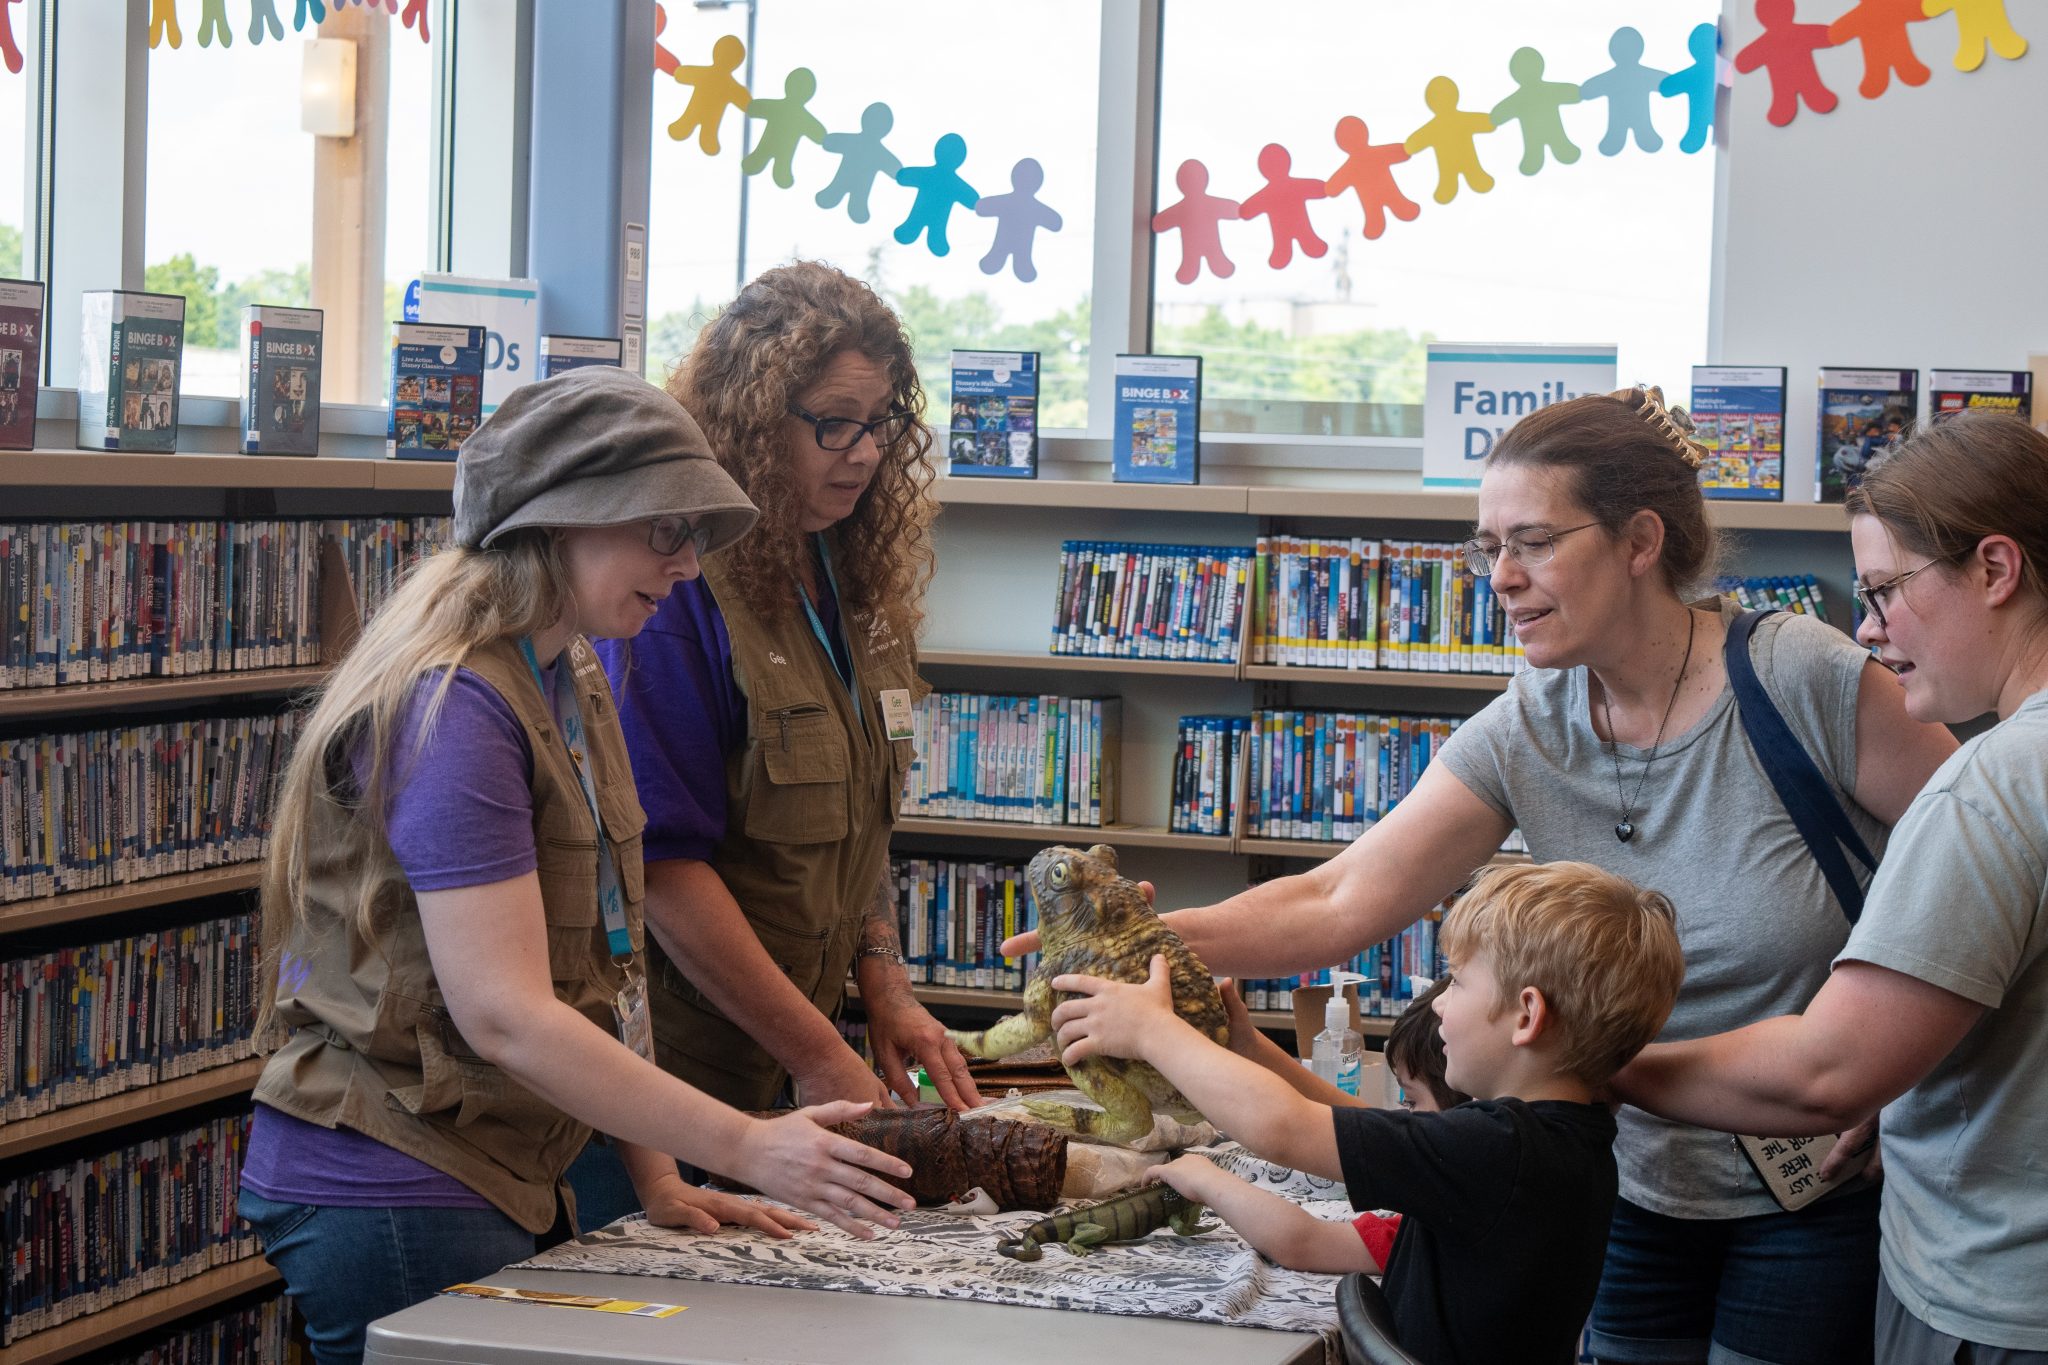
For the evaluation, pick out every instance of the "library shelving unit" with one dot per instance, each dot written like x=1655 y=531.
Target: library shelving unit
x=74 y=485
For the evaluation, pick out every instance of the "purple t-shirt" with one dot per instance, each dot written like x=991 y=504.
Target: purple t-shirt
x=460 y=814
x=682 y=714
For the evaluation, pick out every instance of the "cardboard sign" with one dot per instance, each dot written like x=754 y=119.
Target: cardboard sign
x=509 y=313
x=1474 y=393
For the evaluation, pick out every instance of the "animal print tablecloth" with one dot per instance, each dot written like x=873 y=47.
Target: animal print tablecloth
x=1213 y=1277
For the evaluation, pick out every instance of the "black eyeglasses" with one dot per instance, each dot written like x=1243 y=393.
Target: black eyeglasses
x=844 y=433
x=666 y=535
x=1527 y=548
x=1871 y=597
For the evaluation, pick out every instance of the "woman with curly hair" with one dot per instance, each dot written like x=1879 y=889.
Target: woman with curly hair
x=767 y=707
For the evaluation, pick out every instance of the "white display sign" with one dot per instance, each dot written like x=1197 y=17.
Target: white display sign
x=1475 y=392
x=509 y=313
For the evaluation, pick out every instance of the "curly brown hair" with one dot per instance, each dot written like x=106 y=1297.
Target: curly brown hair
x=749 y=364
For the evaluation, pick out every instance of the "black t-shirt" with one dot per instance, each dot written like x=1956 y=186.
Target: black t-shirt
x=1505 y=1205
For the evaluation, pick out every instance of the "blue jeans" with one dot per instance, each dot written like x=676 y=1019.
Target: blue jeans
x=348 y=1267
x=1778 y=1288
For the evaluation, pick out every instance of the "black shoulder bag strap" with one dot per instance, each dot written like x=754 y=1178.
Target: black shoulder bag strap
x=1804 y=792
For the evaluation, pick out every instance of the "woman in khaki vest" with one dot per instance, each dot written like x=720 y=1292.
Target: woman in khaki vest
x=452 y=910
x=767 y=707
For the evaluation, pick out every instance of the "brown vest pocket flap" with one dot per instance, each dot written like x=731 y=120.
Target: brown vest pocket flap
x=803 y=797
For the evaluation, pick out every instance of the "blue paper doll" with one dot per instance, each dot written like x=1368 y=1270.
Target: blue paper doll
x=213 y=18
x=784 y=124
x=939 y=187
x=862 y=157
x=263 y=13
x=1535 y=106
x=1696 y=85
x=1019 y=215
x=1627 y=87
x=319 y=12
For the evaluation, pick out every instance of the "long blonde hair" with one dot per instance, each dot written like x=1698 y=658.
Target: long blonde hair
x=450 y=605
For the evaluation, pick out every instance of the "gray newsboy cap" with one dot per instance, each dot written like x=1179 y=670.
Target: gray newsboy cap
x=594 y=447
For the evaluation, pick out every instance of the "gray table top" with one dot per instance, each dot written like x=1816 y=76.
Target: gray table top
x=732 y=1324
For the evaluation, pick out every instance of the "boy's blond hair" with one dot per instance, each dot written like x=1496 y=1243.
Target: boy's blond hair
x=1603 y=951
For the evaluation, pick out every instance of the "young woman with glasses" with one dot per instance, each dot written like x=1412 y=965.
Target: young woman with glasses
x=767 y=707
x=1621 y=747
x=453 y=941
x=1938 y=1007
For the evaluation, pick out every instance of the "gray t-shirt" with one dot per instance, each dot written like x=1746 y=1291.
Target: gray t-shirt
x=1755 y=916
x=1962 y=902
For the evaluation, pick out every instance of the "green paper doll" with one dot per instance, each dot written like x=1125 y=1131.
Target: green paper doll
x=213 y=18
x=862 y=157
x=784 y=124
x=1450 y=135
x=1535 y=106
x=712 y=89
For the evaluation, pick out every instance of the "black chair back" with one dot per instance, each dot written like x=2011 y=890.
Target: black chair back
x=1367 y=1324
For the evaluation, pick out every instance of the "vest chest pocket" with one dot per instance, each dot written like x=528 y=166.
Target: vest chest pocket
x=797 y=789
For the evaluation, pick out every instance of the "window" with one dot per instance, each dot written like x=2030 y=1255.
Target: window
x=1608 y=249
x=17 y=155
x=227 y=240
x=1022 y=85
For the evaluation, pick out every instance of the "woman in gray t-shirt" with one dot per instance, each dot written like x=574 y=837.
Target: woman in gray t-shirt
x=1622 y=748
x=1938 y=1008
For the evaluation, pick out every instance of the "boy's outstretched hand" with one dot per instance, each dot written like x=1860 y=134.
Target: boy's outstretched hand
x=1113 y=1018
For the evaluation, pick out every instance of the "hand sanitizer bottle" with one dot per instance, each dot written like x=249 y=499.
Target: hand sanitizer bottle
x=1338 y=1048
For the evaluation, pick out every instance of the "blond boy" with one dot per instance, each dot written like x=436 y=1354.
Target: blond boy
x=1560 y=973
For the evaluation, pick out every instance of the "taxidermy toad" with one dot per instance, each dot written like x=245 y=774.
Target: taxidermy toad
x=1093 y=921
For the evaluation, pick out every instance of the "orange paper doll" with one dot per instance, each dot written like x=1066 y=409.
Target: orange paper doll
x=1785 y=49
x=1368 y=172
x=1450 y=134
x=163 y=22
x=1283 y=203
x=713 y=88
x=1196 y=217
x=1880 y=25
x=1981 y=24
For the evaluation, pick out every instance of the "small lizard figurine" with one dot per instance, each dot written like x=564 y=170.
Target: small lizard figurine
x=1125 y=1218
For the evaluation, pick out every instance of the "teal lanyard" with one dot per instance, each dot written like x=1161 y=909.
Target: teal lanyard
x=569 y=716
x=818 y=625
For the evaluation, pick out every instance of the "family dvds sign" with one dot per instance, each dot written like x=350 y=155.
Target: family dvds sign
x=1474 y=393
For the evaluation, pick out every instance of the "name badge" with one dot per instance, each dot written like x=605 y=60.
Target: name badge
x=896 y=712
x=629 y=1008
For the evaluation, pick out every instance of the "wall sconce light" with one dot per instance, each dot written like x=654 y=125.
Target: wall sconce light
x=327 y=88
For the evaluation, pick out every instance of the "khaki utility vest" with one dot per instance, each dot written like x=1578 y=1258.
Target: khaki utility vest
x=811 y=798
x=373 y=1047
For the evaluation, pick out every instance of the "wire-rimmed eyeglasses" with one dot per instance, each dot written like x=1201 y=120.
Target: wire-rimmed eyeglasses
x=1528 y=548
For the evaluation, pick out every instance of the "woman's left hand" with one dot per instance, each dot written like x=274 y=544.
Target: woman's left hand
x=901 y=1030
x=678 y=1204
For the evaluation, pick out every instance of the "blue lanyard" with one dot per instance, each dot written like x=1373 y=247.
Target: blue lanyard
x=818 y=625
x=569 y=716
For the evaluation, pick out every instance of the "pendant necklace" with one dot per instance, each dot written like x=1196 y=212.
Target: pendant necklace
x=1626 y=829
